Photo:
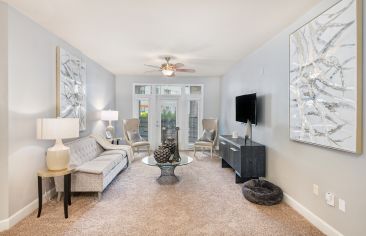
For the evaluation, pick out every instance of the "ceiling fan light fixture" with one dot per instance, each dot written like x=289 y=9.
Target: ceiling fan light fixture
x=168 y=72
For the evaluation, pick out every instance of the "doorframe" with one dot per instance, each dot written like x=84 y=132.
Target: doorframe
x=183 y=100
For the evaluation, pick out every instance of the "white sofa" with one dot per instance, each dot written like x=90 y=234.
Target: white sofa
x=95 y=167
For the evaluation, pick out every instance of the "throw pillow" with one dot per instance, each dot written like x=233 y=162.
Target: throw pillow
x=134 y=136
x=208 y=135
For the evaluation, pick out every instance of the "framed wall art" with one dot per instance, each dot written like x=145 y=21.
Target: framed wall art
x=326 y=79
x=71 y=87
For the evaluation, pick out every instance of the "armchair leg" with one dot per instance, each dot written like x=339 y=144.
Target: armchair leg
x=99 y=196
x=58 y=196
x=148 y=150
x=211 y=153
x=194 y=148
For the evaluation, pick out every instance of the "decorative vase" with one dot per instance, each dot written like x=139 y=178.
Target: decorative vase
x=176 y=157
x=170 y=144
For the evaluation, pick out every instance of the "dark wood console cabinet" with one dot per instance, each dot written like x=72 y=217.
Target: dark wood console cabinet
x=247 y=158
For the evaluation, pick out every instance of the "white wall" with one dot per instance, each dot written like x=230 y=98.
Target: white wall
x=4 y=189
x=32 y=95
x=124 y=84
x=295 y=166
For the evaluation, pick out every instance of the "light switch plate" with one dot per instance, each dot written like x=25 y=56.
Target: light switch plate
x=316 y=189
x=342 y=205
x=329 y=198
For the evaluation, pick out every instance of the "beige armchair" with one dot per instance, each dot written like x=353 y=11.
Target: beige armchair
x=132 y=125
x=208 y=124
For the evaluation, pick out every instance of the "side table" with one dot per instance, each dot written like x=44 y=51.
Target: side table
x=67 y=187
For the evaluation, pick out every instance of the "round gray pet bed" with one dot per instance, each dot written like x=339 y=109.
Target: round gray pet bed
x=262 y=192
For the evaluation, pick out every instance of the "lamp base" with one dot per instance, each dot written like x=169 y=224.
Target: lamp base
x=109 y=132
x=58 y=157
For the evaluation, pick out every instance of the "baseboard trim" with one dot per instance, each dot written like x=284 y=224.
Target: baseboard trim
x=310 y=216
x=24 y=212
x=4 y=224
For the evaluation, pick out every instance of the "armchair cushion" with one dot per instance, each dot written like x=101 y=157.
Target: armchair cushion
x=134 y=136
x=203 y=143
x=141 y=143
x=208 y=135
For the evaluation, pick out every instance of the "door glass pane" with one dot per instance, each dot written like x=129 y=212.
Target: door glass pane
x=168 y=120
x=144 y=118
x=193 y=121
x=195 y=90
x=142 y=89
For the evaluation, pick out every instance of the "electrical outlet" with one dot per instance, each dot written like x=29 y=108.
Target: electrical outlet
x=316 y=189
x=342 y=205
x=329 y=199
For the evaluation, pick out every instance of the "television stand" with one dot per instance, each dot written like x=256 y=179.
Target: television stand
x=246 y=157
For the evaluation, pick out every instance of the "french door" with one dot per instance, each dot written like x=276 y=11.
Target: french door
x=168 y=118
x=160 y=112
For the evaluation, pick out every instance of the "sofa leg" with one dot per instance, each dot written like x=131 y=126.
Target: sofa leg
x=99 y=196
x=194 y=148
x=59 y=196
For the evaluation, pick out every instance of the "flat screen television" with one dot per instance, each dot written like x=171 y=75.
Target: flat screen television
x=246 y=108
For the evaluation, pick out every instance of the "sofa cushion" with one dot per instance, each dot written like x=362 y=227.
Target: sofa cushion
x=123 y=153
x=101 y=165
x=83 y=150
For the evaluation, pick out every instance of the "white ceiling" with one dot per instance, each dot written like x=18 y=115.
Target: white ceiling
x=123 y=35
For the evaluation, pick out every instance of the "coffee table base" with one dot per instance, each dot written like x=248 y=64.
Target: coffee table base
x=167 y=175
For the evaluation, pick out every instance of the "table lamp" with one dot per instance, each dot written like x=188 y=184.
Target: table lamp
x=58 y=156
x=110 y=116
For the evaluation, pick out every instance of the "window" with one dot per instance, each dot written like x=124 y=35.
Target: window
x=168 y=90
x=144 y=118
x=193 y=121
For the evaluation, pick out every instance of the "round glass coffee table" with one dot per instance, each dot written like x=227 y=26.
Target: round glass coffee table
x=167 y=175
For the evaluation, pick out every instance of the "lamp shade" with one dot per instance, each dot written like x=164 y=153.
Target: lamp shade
x=109 y=115
x=57 y=128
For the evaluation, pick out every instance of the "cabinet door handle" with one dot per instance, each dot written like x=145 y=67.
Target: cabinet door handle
x=233 y=149
x=223 y=143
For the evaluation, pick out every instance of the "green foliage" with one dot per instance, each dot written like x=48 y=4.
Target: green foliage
x=167 y=115
x=144 y=115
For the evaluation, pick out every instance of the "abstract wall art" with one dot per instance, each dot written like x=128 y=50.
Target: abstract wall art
x=71 y=87
x=326 y=79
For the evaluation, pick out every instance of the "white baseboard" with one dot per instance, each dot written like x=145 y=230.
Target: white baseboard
x=24 y=212
x=310 y=216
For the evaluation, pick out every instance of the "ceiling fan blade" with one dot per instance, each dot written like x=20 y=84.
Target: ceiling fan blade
x=186 y=70
x=157 y=67
x=150 y=71
x=179 y=65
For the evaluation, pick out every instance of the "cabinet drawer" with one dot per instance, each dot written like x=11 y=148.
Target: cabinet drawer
x=235 y=157
x=223 y=149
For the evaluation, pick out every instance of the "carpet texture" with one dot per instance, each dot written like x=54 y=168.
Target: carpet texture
x=206 y=201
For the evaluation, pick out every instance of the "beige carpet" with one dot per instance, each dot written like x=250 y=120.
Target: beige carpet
x=206 y=201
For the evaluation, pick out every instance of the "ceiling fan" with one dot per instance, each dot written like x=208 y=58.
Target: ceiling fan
x=168 y=69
